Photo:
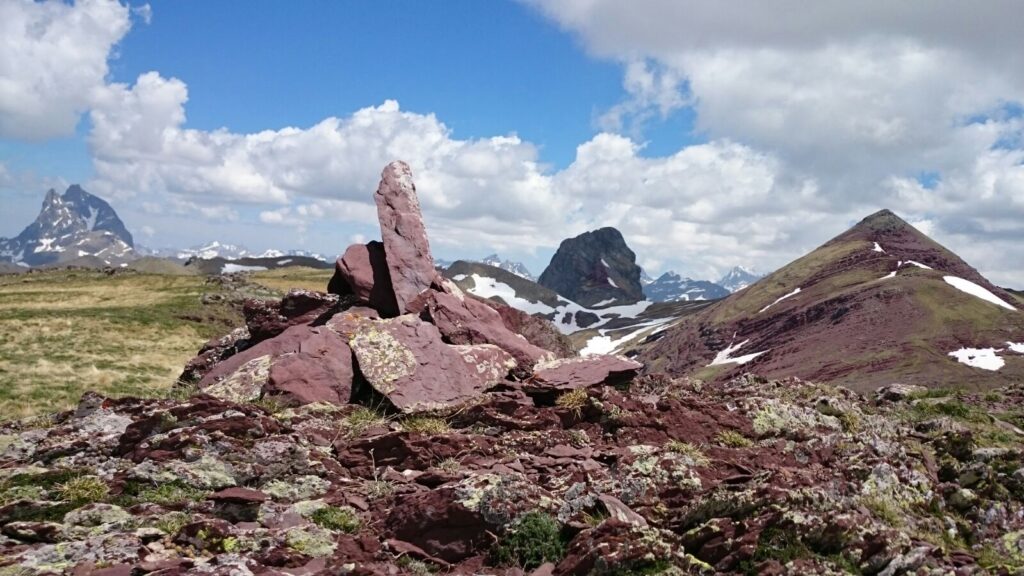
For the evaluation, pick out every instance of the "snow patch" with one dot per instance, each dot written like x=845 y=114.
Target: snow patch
x=889 y=275
x=984 y=358
x=975 y=290
x=486 y=287
x=781 y=298
x=725 y=356
x=878 y=248
x=231 y=268
x=612 y=282
x=283 y=262
x=1016 y=347
x=604 y=302
x=604 y=344
x=459 y=277
x=918 y=264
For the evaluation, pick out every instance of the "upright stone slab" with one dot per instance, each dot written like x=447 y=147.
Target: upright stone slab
x=410 y=264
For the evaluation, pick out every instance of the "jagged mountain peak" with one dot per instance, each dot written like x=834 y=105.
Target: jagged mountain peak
x=595 y=268
x=69 y=227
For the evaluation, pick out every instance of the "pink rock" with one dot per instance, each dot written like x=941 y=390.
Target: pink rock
x=268 y=318
x=410 y=263
x=307 y=378
x=238 y=494
x=406 y=360
x=363 y=270
x=572 y=373
x=465 y=320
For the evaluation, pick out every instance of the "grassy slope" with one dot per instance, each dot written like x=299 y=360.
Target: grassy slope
x=284 y=279
x=64 y=332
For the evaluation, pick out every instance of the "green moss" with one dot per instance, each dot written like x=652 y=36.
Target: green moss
x=167 y=494
x=733 y=439
x=342 y=518
x=533 y=540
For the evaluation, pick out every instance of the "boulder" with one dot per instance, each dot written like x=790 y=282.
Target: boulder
x=406 y=361
x=537 y=331
x=466 y=320
x=363 y=271
x=572 y=373
x=410 y=264
x=326 y=375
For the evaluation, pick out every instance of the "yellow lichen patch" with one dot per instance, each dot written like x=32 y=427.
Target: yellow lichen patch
x=244 y=384
x=382 y=358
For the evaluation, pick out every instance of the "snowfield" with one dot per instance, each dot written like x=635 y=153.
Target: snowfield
x=984 y=358
x=231 y=268
x=725 y=356
x=975 y=290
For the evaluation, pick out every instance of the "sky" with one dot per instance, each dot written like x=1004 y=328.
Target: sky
x=712 y=134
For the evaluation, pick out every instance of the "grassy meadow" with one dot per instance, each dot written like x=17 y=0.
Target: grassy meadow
x=64 y=332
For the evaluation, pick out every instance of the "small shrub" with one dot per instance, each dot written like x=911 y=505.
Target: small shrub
x=270 y=404
x=415 y=567
x=171 y=494
x=733 y=439
x=336 y=518
x=579 y=438
x=426 y=425
x=378 y=489
x=83 y=490
x=689 y=450
x=574 y=400
x=533 y=540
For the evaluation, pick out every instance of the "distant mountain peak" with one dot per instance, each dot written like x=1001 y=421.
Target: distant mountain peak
x=74 y=225
x=596 y=266
x=673 y=287
x=739 y=278
x=884 y=221
x=516 y=268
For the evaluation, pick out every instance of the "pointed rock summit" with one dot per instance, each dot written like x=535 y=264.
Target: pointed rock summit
x=390 y=328
x=877 y=304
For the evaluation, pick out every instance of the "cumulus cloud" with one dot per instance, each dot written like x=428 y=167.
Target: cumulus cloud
x=858 y=99
x=53 y=62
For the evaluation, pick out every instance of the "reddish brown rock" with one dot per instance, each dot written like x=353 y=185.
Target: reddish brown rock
x=464 y=320
x=326 y=375
x=438 y=524
x=405 y=359
x=572 y=373
x=410 y=264
x=538 y=331
x=238 y=495
x=363 y=271
x=268 y=318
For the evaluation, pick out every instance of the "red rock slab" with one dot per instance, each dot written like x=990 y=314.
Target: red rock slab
x=406 y=360
x=238 y=495
x=407 y=250
x=573 y=373
x=466 y=320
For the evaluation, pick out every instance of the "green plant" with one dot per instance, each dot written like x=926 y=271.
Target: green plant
x=415 y=567
x=733 y=439
x=689 y=450
x=533 y=540
x=172 y=522
x=83 y=490
x=574 y=400
x=426 y=425
x=449 y=465
x=341 y=518
x=169 y=494
x=360 y=420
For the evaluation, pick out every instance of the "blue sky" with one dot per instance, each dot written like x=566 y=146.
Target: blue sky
x=710 y=137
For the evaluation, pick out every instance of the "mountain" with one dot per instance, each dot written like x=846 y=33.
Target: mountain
x=216 y=249
x=516 y=268
x=738 y=278
x=645 y=278
x=595 y=269
x=72 y=226
x=671 y=287
x=878 y=304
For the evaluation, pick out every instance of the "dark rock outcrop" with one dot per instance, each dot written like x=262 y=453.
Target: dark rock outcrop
x=363 y=271
x=595 y=268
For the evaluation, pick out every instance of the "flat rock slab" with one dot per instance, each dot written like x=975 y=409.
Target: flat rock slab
x=406 y=360
x=410 y=264
x=464 y=320
x=573 y=373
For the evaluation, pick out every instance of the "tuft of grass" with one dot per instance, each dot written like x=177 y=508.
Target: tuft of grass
x=170 y=494
x=414 y=566
x=574 y=400
x=360 y=420
x=83 y=490
x=172 y=522
x=733 y=439
x=689 y=450
x=885 y=510
x=449 y=465
x=534 y=539
x=426 y=425
x=341 y=518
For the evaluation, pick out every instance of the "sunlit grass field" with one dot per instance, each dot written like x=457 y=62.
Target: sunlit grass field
x=64 y=332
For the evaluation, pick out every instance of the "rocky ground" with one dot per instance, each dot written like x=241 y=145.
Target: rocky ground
x=660 y=477
x=395 y=425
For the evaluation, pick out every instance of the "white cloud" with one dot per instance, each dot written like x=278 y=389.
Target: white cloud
x=53 y=61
